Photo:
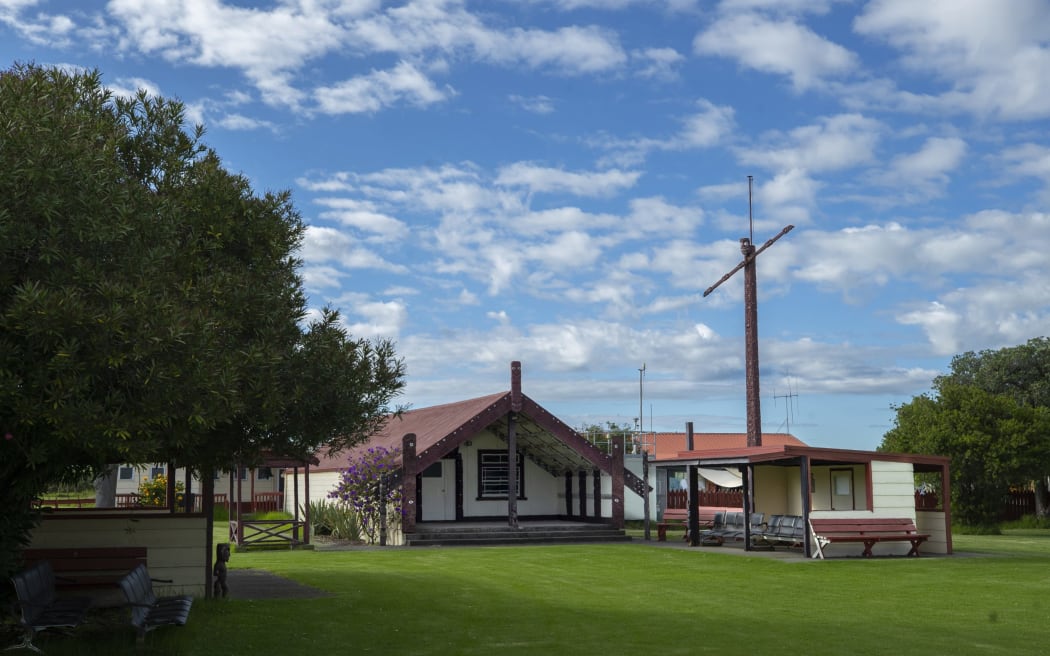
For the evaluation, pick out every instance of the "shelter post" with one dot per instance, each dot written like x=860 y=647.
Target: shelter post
x=306 y=506
x=946 y=499
x=748 y=501
x=208 y=508
x=616 y=447
x=170 y=491
x=188 y=498
x=807 y=504
x=693 y=504
x=645 y=497
x=295 y=501
x=408 y=482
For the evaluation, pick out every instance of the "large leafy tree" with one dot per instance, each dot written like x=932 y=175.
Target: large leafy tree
x=992 y=441
x=1020 y=372
x=150 y=305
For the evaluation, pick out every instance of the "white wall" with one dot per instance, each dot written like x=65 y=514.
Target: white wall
x=175 y=544
x=139 y=473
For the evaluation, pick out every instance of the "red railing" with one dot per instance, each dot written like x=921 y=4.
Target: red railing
x=720 y=498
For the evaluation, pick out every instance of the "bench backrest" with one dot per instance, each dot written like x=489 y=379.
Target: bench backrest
x=35 y=588
x=138 y=590
x=864 y=526
x=676 y=514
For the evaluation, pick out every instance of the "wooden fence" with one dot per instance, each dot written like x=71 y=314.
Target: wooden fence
x=1017 y=504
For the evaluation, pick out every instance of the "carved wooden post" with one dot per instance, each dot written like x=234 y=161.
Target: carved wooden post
x=616 y=445
x=568 y=494
x=408 y=482
x=596 y=475
x=512 y=470
x=583 y=494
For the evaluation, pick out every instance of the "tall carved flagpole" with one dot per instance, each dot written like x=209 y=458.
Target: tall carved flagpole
x=754 y=402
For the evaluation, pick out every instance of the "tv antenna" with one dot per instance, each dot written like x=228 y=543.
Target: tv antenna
x=747 y=249
x=790 y=405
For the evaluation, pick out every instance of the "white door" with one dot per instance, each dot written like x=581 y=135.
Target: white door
x=842 y=489
x=439 y=491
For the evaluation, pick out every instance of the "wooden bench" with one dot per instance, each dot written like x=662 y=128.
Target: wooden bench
x=866 y=530
x=149 y=611
x=679 y=517
x=40 y=609
x=86 y=568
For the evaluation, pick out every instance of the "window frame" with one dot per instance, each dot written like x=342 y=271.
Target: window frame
x=487 y=468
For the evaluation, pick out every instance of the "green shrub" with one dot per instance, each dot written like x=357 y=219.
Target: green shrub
x=154 y=492
x=335 y=519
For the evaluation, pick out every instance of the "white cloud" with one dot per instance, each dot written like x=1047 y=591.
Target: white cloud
x=990 y=59
x=927 y=169
x=657 y=63
x=321 y=244
x=130 y=87
x=379 y=319
x=836 y=142
x=363 y=215
x=241 y=122
x=379 y=90
x=782 y=47
x=541 y=179
x=534 y=104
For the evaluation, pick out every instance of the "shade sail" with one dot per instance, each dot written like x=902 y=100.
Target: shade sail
x=722 y=477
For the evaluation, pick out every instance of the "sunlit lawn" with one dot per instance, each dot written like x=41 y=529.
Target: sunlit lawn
x=624 y=599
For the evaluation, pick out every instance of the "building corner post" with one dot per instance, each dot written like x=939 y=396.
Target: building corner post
x=408 y=483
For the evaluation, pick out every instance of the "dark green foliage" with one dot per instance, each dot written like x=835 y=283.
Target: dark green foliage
x=150 y=304
x=993 y=442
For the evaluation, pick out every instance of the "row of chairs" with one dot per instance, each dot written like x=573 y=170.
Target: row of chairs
x=780 y=530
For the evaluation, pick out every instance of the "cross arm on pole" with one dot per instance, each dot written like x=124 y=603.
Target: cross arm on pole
x=744 y=262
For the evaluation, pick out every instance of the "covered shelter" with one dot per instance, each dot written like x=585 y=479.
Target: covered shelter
x=815 y=482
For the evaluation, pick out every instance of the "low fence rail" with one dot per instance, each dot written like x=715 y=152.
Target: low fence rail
x=267 y=532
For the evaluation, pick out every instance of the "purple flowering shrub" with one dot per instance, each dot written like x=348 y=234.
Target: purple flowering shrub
x=366 y=487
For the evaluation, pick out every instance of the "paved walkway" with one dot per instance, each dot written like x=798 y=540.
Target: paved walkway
x=258 y=584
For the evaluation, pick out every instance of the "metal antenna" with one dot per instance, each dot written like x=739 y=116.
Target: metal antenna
x=788 y=409
x=750 y=217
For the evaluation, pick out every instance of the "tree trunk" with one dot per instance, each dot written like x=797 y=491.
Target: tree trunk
x=1042 y=498
x=106 y=488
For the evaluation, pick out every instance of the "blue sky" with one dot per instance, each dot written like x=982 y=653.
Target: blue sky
x=557 y=182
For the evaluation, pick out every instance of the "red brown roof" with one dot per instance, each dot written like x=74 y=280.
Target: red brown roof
x=669 y=445
x=430 y=425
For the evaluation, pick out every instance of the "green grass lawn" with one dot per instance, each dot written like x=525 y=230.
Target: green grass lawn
x=624 y=599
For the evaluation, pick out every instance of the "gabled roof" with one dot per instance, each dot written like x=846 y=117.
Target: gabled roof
x=431 y=425
x=440 y=429
x=667 y=446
